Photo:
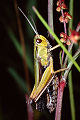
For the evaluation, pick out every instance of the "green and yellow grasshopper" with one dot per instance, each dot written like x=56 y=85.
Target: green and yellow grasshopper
x=44 y=71
x=43 y=79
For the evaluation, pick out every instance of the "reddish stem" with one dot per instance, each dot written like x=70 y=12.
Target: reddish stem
x=29 y=109
x=59 y=99
x=65 y=30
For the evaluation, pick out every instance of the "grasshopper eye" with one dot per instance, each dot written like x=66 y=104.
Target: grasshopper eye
x=38 y=40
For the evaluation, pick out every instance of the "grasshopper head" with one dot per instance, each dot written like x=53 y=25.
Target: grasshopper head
x=40 y=40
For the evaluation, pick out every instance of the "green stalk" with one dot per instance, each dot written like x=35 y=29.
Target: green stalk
x=56 y=38
x=70 y=84
x=72 y=105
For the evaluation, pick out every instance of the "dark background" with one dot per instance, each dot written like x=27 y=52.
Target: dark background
x=12 y=97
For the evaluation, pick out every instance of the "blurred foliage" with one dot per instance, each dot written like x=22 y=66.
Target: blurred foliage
x=19 y=49
x=18 y=79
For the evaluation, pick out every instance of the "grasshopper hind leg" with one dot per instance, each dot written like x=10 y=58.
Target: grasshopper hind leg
x=52 y=94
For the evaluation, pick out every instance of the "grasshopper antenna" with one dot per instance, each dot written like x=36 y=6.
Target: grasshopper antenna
x=33 y=21
x=28 y=21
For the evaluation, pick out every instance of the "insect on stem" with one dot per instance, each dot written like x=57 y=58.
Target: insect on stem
x=60 y=70
x=28 y=21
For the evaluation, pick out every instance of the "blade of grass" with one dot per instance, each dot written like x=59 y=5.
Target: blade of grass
x=56 y=38
x=18 y=79
x=14 y=40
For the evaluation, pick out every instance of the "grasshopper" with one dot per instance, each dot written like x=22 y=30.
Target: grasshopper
x=45 y=77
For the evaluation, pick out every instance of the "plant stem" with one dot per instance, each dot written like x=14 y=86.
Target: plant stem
x=69 y=50
x=70 y=84
x=29 y=109
x=59 y=99
x=70 y=63
x=61 y=89
x=50 y=16
x=65 y=30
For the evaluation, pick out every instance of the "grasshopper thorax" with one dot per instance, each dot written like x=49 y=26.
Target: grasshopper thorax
x=41 y=46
